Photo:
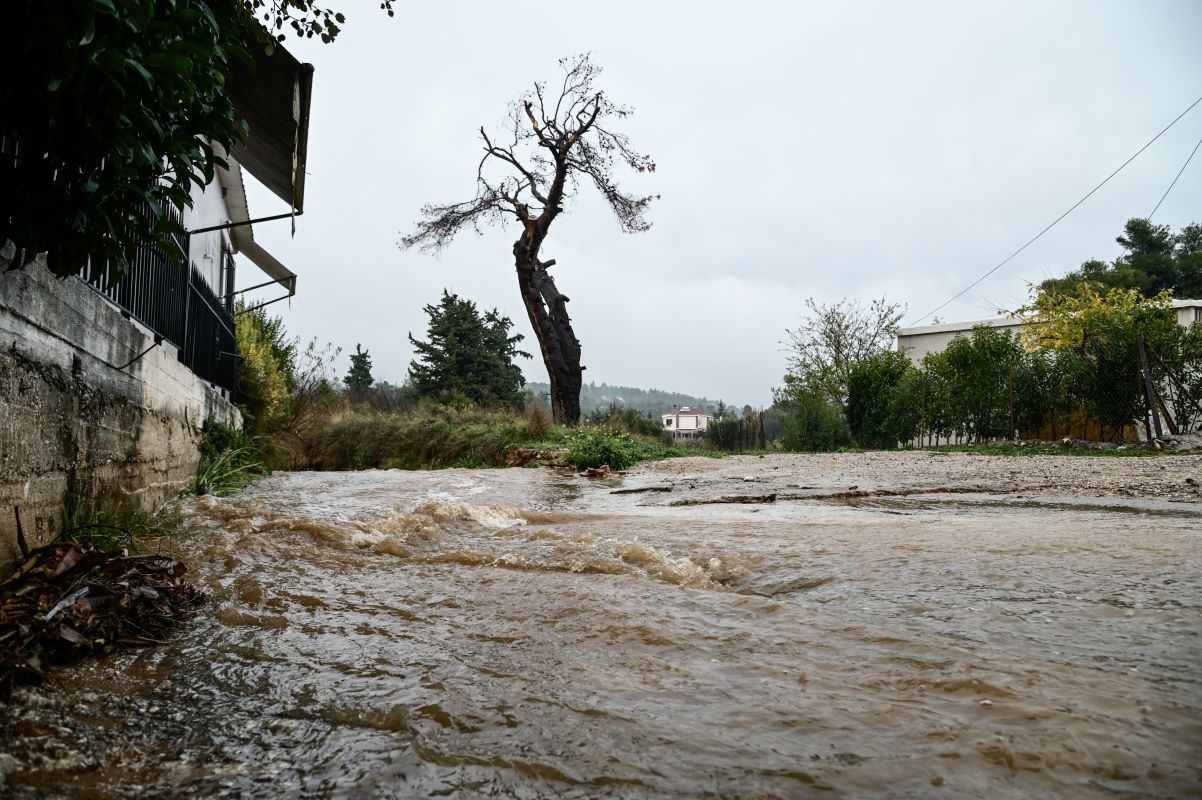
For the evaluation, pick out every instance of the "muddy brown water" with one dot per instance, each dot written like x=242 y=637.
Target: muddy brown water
x=528 y=633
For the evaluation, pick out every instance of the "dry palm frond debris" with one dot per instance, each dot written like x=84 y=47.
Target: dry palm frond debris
x=69 y=599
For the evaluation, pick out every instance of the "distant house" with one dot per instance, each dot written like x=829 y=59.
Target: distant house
x=685 y=422
x=920 y=340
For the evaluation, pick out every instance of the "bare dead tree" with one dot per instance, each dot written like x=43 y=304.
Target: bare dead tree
x=552 y=143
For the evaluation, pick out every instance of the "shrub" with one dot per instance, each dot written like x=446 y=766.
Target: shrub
x=590 y=448
x=874 y=415
x=268 y=373
x=538 y=419
x=810 y=423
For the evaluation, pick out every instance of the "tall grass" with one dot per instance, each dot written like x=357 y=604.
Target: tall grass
x=437 y=437
x=229 y=460
x=113 y=527
x=229 y=471
x=429 y=438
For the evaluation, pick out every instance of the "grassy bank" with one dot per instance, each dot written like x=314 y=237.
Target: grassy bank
x=362 y=437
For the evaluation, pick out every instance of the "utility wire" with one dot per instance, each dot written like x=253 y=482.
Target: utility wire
x=1127 y=249
x=1039 y=235
x=1174 y=183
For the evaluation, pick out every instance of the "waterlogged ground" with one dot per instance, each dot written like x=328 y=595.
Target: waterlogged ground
x=529 y=633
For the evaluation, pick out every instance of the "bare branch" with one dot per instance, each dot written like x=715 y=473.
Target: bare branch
x=440 y=224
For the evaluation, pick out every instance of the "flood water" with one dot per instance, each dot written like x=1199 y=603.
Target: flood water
x=529 y=633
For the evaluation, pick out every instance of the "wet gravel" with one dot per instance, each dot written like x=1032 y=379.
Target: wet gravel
x=1168 y=477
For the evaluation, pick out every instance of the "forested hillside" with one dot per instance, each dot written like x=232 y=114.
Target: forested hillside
x=594 y=396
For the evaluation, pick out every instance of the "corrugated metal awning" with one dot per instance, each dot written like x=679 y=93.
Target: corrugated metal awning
x=273 y=97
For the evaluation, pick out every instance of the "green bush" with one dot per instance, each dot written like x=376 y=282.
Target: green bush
x=876 y=416
x=593 y=448
x=267 y=375
x=810 y=423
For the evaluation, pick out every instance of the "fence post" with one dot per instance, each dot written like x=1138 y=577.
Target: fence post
x=1151 y=394
x=1013 y=433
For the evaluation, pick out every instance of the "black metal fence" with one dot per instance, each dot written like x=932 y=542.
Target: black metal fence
x=165 y=293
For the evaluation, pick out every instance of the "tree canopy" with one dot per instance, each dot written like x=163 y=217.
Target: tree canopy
x=358 y=378
x=555 y=140
x=1154 y=260
x=119 y=111
x=831 y=338
x=467 y=357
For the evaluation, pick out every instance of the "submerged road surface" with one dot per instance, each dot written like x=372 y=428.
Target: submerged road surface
x=529 y=633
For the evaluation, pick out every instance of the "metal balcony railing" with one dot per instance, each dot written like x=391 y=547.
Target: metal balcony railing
x=162 y=291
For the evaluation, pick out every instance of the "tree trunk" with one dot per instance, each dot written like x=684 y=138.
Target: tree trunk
x=548 y=313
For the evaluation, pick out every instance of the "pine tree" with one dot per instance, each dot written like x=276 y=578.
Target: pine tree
x=467 y=356
x=358 y=378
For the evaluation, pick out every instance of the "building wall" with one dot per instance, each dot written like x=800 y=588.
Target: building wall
x=916 y=342
x=205 y=249
x=688 y=422
x=76 y=420
x=1189 y=312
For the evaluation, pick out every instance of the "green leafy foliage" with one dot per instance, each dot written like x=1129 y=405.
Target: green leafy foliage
x=1087 y=381
x=878 y=415
x=591 y=448
x=119 y=112
x=978 y=373
x=831 y=338
x=267 y=376
x=467 y=357
x=117 y=115
x=1096 y=334
x=810 y=423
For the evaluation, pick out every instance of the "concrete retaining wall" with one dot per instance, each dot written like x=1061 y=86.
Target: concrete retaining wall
x=75 y=420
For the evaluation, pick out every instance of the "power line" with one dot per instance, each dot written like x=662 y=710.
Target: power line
x=1039 y=235
x=1174 y=183
x=1190 y=158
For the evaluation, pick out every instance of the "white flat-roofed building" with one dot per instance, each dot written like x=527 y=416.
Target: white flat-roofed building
x=919 y=340
x=685 y=422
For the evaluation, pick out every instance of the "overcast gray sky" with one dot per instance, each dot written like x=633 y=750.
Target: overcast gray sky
x=822 y=150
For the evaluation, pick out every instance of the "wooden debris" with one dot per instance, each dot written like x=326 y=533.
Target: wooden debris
x=68 y=600
x=641 y=489
x=728 y=498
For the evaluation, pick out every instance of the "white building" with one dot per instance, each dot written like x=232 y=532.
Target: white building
x=685 y=422
x=274 y=99
x=919 y=340
x=185 y=298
